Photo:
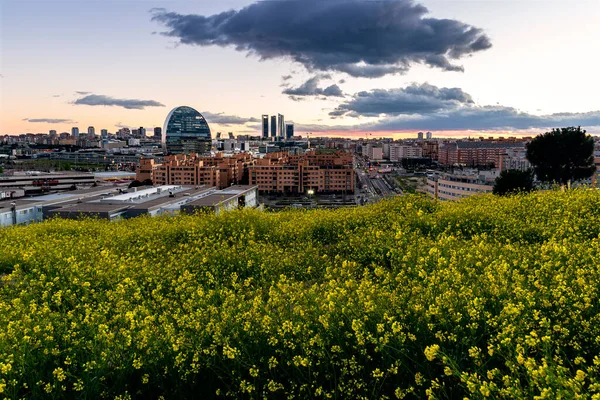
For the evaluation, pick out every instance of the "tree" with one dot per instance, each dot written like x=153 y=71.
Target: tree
x=513 y=181
x=562 y=155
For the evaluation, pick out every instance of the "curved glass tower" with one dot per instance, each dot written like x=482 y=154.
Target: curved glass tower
x=186 y=131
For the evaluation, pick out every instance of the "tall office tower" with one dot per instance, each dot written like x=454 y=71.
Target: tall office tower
x=75 y=132
x=429 y=135
x=104 y=133
x=218 y=135
x=157 y=132
x=52 y=133
x=289 y=131
x=265 y=126
x=280 y=126
x=142 y=132
x=230 y=135
x=91 y=132
x=420 y=135
x=273 y=126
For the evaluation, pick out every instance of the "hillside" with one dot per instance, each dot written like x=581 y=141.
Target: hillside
x=488 y=297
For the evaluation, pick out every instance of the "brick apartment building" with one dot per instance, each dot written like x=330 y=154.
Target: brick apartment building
x=275 y=173
x=183 y=169
x=476 y=153
x=282 y=173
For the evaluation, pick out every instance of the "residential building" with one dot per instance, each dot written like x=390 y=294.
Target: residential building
x=192 y=169
x=455 y=186
x=311 y=172
x=476 y=153
x=398 y=152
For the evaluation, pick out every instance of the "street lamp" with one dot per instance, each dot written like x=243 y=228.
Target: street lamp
x=310 y=192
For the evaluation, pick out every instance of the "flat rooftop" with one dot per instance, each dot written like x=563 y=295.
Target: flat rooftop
x=221 y=196
x=143 y=195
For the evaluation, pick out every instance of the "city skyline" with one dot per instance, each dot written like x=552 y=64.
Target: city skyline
x=454 y=68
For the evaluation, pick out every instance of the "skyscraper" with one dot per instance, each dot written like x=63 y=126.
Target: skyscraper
x=75 y=132
x=273 y=126
x=289 y=131
x=280 y=126
x=265 y=126
x=420 y=135
x=91 y=132
x=104 y=133
x=230 y=135
x=186 y=131
x=429 y=135
x=157 y=132
x=142 y=132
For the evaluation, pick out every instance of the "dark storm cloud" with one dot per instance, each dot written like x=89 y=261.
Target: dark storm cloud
x=223 y=119
x=130 y=104
x=360 y=37
x=488 y=118
x=311 y=88
x=413 y=99
x=49 y=120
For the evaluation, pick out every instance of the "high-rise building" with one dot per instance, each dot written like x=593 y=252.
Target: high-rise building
x=289 y=131
x=157 y=132
x=142 y=132
x=75 y=132
x=429 y=135
x=265 y=126
x=273 y=126
x=186 y=131
x=218 y=135
x=104 y=133
x=280 y=126
x=230 y=135
x=123 y=133
x=52 y=133
x=420 y=135
x=91 y=132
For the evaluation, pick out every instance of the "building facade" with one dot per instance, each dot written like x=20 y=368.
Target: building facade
x=185 y=132
x=311 y=172
x=273 y=127
x=460 y=185
x=476 y=153
x=265 y=126
x=191 y=169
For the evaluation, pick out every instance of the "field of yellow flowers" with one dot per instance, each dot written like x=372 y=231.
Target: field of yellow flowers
x=407 y=298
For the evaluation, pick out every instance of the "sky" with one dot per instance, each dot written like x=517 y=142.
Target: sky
x=349 y=68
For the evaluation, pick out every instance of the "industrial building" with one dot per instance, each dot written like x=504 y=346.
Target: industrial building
x=114 y=204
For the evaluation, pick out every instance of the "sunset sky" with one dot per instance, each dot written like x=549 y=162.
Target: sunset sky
x=337 y=67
